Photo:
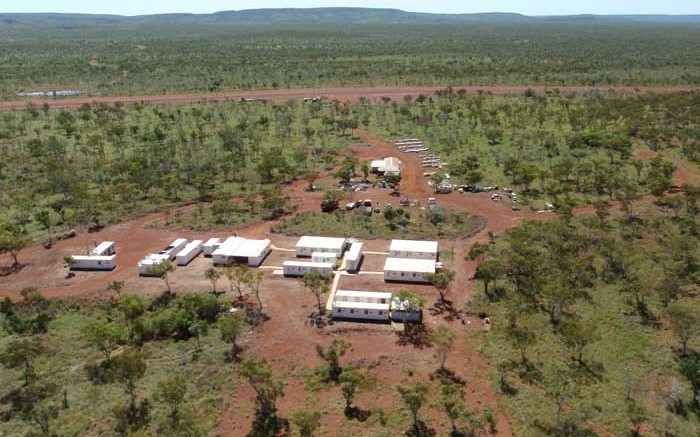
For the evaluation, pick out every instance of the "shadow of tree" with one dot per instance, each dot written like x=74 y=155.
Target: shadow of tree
x=420 y=430
x=357 y=414
x=417 y=336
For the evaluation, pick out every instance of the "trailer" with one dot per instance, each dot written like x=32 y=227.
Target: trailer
x=362 y=305
x=147 y=265
x=210 y=246
x=353 y=259
x=93 y=262
x=301 y=268
x=105 y=248
x=189 y=252
x=416 y=249
x=407 y=270
x=307 y=245
x=174 y=248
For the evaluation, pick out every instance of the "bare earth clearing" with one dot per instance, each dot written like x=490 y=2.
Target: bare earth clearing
x=287 y=340
x=341 y=94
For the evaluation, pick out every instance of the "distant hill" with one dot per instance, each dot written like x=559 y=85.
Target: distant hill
x=321 y=16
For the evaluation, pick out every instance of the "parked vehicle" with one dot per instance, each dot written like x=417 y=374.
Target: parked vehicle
x=432 y=202
x=329 y=205
x=350 y=206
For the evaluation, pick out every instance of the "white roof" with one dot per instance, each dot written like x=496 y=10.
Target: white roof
x=354 y=252
x=153 y=258
x=391 y=164
x=321 y=242
x=102 y=247
x=308 y=264
x=414 y=246
x=361 y=305
x=409 y=265
x=242 y=247
x=192 y=245
x=328 y=255
x=378 y=163
x=93 y=257
x=368 y=294
x=212 y=241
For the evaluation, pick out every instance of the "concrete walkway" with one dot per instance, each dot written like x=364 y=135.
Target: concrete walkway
x=282 y=249
x=375 y=253
x=334 y=288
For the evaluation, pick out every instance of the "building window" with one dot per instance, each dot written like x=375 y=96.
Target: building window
x=383 y=300
x=339 y=311
x=414 y=275
x=366 y=312
x=381 y=313
x=352 y=311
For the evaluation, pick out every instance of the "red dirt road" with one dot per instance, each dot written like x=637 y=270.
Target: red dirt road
x=342 y=94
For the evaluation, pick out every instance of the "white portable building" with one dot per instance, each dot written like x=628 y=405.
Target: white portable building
x=300 y=268
x=94 y=262
x=238 y=250
x=364 y=305
x=105 y=248
x=407 y=269
x=389 y=165
x=353 y=258
x=174 y=248
x=210 y=246
x=189 y=252
x=151 y=260
x=399 y=313
x=415 y=249
x=324 y=257
x=307 y=245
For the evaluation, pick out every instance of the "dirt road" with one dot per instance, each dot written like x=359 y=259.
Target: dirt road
x=342 y=94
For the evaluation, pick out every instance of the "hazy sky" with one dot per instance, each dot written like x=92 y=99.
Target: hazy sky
x=531 y=7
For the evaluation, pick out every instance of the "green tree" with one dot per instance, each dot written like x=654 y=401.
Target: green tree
x=443 y=338
x=690 y=369
x=319 y=285
x=268 y=389
x=238 y=275
x=132 y=308
x=253 y=281
x=172 y=392
x=129 y=367
x=452 y=402
x=103 y=336
x=45 y=218
x=307 y=422
x=231 y=327
x=414 y=396
x=685 y=323
x=576 y=336
x=116 y=286
x=351 y=381
x=162 y=270
x=23 y=353
x=441 y=281
x=213 y=275
x=331 y=355
x=409 y=302
x=13 y=240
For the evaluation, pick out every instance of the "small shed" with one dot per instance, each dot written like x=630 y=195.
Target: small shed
x=364 y=305
x=189 y=252
x=308 y=245
x=353 y=258
x=300 y=268
x=151 y=260
x=400 y=314
x=94 y=262
x=210 y=246
x=416 y=249
x=407 y=269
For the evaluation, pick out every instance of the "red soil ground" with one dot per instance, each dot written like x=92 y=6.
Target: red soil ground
x=341 y=94
x=287 y=340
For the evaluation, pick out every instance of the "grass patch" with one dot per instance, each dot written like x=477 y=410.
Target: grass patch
x=412 y=224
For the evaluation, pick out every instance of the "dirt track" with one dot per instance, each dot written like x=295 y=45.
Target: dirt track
x=342 y=94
